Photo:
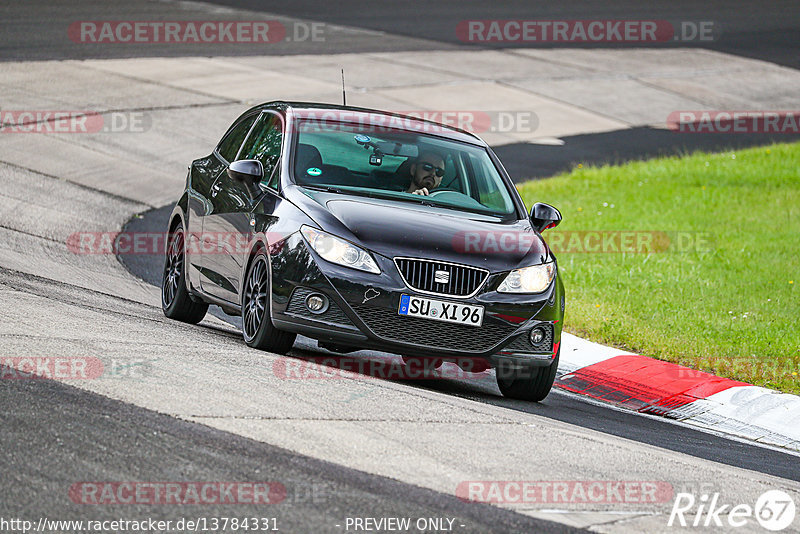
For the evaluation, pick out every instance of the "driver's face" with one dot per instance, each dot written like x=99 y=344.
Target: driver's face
x=425 y=172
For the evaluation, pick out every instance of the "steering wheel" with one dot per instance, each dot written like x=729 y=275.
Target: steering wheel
x=445 y=190
x=461 y=200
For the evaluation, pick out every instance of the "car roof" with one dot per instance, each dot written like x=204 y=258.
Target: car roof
x=367 y=116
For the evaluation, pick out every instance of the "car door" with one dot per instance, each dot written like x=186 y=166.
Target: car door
x=203 y=174
x=228 y=222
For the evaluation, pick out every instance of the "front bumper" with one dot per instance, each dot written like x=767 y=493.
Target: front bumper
x=362 y=312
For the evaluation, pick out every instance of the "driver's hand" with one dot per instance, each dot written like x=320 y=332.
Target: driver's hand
x=423 y=191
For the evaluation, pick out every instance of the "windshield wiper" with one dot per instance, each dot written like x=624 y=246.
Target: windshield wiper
x=327 y=188
x=332 y=189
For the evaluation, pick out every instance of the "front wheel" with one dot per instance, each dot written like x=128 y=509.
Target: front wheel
x=527 y=383
x=175 y=299
x=257 y=325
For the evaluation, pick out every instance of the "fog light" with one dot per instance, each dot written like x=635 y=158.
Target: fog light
x=537 y=335
x=316 y=303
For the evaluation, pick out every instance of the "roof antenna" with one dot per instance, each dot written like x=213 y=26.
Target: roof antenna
x=344 y=96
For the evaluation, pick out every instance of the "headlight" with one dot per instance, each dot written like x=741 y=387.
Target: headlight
x=533 y=279
x=339 y=251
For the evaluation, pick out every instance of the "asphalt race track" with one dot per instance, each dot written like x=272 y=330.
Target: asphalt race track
x=86 y=426
x=560 y=406
x=744 y=28
x=183 y=404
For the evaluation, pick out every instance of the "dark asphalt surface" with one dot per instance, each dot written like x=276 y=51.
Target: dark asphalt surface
x=525 y=161
x=559 y=406
x=38 y=29
x=761 y=30
x=56 y=436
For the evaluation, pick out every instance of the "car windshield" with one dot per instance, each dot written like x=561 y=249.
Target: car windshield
x=390 y=163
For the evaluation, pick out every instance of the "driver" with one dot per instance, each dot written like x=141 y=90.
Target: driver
x=427 y=172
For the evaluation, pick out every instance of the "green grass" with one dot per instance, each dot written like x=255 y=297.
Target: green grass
x=731 y=305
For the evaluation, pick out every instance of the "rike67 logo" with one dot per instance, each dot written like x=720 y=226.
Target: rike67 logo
x=774 y=510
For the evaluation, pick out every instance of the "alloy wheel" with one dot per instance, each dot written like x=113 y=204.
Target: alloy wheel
x=173 y=268
x=255 y=298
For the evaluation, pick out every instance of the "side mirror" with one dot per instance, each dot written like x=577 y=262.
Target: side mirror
x=250 y=172
x=544 y=216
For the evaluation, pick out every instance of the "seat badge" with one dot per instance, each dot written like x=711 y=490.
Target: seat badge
x=441 y=277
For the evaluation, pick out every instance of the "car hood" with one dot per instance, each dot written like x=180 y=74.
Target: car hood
x=395 y=228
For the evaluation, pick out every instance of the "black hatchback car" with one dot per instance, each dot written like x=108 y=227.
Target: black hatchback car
x=368 y=230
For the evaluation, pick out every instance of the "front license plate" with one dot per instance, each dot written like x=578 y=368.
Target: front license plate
x=450 y=312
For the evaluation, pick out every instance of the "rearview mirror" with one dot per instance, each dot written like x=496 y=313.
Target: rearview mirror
x=250 y=172
x=544 y=216
x=398 y=149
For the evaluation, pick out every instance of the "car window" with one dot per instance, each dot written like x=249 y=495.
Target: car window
x=365 y=160
x=264 y=143
x=274 y=181
x=453 y=179
x=229 y=146
x=489 y=192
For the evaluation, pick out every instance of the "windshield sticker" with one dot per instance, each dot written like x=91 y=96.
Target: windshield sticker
x=313 y=171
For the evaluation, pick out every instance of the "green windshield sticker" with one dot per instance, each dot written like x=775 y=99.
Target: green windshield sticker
x=313 y=171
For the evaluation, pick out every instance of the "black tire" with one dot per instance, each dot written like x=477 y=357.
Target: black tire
x=530 y=384
x=257 y=327
x=175 y=299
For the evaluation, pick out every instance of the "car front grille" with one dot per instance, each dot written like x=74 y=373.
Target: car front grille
x=441 y=278
x=523 y=344
x=389 y=325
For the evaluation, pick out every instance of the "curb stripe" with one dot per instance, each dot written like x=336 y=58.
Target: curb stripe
x=644 y=384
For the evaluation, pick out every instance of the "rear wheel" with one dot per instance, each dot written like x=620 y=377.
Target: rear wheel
x=257 y=325
x=527 y=383
x=175 y=299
